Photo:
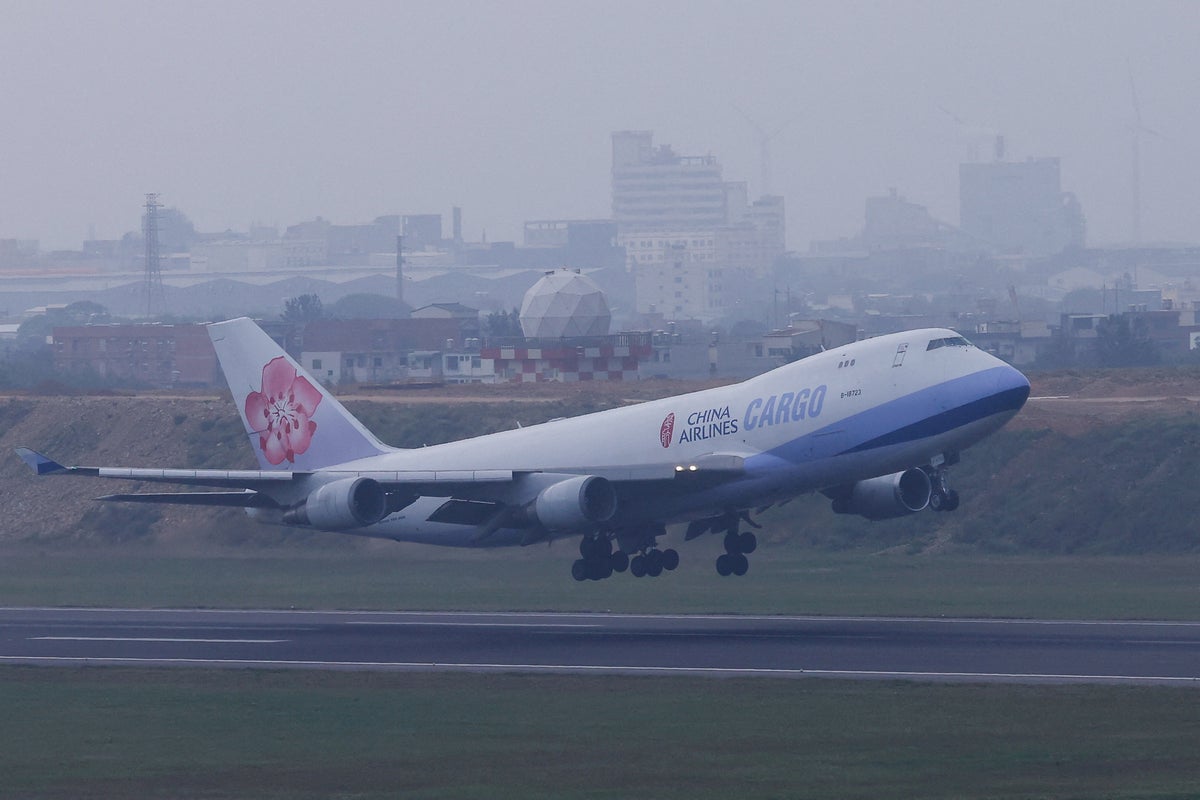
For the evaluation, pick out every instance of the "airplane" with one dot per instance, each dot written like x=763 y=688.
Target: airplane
x=873 y=425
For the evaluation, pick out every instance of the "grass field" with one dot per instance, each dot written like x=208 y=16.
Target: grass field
x=99 y=733
x=116 y=732
x=782 y=580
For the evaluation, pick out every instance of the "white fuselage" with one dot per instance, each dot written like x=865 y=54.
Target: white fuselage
x=867 y=409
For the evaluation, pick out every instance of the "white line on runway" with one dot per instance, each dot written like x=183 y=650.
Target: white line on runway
x=586 y=669
x=415 y=624
x=149 y=639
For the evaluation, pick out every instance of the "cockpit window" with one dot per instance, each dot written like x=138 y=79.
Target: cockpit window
x=949 y=341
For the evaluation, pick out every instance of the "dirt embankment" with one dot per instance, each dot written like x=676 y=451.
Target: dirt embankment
x=94 y=431
x=1073 y=402
x=203 y=431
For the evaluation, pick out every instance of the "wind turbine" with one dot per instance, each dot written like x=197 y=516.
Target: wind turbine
x=764 y=147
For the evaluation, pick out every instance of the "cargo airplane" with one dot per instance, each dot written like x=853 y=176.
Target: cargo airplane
x=872 y=425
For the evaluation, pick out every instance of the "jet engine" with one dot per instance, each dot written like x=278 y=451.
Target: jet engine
x=887 y=496
x=575 y=503
x=347 y=503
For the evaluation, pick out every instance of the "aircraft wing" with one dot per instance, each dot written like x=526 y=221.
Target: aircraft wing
x=253 y=487
x=44 y=465
x=248 y=478
x=712 y=465
x=247 y=498
x=724 y=464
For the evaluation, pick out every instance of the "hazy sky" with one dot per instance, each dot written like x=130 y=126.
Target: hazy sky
x=281 y=111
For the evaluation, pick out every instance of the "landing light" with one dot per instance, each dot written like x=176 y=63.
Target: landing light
x=693 y=468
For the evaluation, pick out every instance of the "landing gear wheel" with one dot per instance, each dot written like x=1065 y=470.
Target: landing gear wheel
x=654 y=563
x=619 y=561
x=670 y=559
x=943 y=498
x=598 y=570
x=637 y=567
x=595 y=548
x=597 y=560
x=737 y=545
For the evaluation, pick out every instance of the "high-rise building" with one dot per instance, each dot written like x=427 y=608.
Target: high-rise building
x=1019 y=207
x=654 y=188
x=692 y=239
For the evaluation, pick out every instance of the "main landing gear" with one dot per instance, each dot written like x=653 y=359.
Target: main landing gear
x=653 y=562
x=941 y=496
x=737 y=546
x=598 y=560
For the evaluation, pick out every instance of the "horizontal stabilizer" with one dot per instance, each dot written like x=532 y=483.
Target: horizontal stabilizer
x=39 y=463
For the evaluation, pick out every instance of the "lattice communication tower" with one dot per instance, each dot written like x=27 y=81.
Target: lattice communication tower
x=155 y=295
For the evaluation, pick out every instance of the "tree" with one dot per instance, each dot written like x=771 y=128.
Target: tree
x=83 y=312
x=503 y=324
x=1120 y=343
x=32 y=333
x=367 y=306
x=305 y=308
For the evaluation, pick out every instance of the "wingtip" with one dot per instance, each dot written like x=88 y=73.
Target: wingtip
x=40 y=464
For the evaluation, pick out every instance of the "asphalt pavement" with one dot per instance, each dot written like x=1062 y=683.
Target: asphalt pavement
x=716 y=645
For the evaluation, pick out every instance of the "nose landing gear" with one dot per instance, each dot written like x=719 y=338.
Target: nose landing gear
x=942 y=497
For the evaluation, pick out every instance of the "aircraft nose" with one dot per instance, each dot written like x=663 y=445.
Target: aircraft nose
x=1013 y=386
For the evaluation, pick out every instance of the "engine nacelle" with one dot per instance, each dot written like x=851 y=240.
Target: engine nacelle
x=575 y=503
x=887 y=496
x=348 y=503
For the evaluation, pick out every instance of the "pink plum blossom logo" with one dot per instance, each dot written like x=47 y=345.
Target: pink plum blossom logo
x=667 y=430
x=285 y=407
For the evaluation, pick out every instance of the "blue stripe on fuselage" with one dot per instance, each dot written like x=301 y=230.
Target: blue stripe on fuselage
x=922 y=414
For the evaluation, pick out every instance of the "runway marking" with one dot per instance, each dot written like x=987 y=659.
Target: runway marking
x=150 y=639
x=417 y=624
x=616 y=668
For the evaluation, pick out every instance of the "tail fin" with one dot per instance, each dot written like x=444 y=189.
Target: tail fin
x=292 y=421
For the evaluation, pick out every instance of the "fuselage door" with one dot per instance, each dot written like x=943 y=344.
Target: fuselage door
x=901 y=350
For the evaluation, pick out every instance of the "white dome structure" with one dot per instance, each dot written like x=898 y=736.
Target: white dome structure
x=564 y=304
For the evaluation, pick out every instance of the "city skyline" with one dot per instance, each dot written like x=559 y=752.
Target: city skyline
x=282 y=112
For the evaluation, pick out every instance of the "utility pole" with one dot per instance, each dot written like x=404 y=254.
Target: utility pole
x=399 y=269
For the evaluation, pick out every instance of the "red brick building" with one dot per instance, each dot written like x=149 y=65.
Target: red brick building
x=159 y=355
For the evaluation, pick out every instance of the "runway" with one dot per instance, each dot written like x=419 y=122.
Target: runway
x=597 y=644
